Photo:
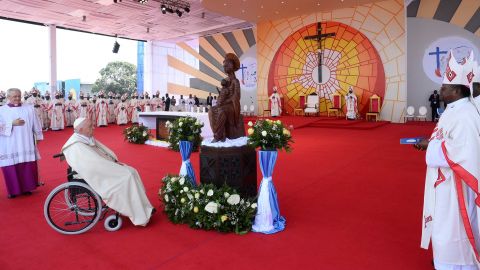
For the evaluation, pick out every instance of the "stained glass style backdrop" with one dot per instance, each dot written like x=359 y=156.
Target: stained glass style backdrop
x=349 y=59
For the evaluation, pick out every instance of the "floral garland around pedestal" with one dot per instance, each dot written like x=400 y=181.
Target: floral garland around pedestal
x=206 y=206
x=184 y=129
x=138 y=134
x=269 y=135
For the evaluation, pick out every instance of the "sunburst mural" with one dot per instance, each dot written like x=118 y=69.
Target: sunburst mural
x=348 y=59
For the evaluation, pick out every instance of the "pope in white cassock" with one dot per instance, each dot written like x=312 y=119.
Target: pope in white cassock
x=275 y=104
x=450 y=213
x=119 y=185
x=351 y=104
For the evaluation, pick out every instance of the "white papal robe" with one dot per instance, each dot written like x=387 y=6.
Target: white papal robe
x=275 y=105
x=119 y=185
x=450 y=211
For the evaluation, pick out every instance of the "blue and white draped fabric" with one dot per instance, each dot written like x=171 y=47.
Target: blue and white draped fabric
x=268 y=219
x=186 y=168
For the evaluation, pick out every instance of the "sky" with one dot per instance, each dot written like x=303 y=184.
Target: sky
x=24 y=55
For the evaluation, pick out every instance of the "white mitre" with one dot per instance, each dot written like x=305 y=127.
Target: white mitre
x=456 y=73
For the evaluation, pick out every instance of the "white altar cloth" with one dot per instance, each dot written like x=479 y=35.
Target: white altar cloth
x=148 y=119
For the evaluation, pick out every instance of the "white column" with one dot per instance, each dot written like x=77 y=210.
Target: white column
x=52 y=37
x=147 y=68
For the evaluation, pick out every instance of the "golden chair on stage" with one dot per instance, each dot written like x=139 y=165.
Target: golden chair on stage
x=374 y=109
x=336 y=105
x=299 y=110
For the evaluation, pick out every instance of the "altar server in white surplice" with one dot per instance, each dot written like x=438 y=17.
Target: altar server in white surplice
x=275 y=104
x=450 y=212
x=351 y=104
x=57 y=116
x=119 y=185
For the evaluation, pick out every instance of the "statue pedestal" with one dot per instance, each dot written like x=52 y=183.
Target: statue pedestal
x=234 y=166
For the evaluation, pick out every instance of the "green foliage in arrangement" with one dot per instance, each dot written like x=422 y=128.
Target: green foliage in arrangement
x=184 y=129
x=138 y=134
x=269 y=135
x=206 y=206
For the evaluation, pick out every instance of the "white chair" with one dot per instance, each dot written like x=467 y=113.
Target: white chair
x=312 y=105
x=410 y=113
x=252 y=110
x=245 y=110
x=422 y=113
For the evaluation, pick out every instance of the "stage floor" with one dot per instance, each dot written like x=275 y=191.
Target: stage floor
x=352 y=199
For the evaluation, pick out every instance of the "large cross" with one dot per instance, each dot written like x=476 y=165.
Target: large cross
x=318 y=37
x=242 y=67
x=437 y=54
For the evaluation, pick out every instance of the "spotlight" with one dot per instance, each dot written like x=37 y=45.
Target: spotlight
x=179 y=13
x=142 y=1
x=116 y=47
x=163 y=8
x=187 y=9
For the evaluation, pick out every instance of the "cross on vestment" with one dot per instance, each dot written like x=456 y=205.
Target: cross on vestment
x=318 y=37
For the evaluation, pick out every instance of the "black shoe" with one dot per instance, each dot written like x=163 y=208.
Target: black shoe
x=27 y=193
x=153 y=211
x=11 y=196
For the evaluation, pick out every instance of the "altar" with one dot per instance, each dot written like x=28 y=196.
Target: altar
x=157 y=121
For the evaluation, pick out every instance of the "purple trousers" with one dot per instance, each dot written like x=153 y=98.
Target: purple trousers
x=21 y=177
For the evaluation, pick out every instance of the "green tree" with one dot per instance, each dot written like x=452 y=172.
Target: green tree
x=118 y=77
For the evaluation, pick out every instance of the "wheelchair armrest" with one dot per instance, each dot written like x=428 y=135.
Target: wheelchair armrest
x=60 y=155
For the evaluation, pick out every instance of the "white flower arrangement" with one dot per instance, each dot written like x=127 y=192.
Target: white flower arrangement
x=206 y=206
x=184 y=129
x=269 y=135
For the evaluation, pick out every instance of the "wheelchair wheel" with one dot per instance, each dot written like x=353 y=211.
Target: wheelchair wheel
x=72 y=208
x=113 y=223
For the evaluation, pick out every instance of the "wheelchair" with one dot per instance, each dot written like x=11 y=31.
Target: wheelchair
x=74 y=207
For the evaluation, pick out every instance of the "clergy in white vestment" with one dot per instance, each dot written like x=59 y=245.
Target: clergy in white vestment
x=19 y=130
x=101 y=110
x=122 y=111
x=111 y=108
x=36 y=101
x=135 y=108
x=190 y=103
x=450 y=212
x=57 y=116
x=119 y=185
x=275 y=103
x=82 y=106
x=46 y=111
x=351 y=104
x=70 y=111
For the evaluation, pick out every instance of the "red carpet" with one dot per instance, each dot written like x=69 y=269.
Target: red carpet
x=352 y=199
